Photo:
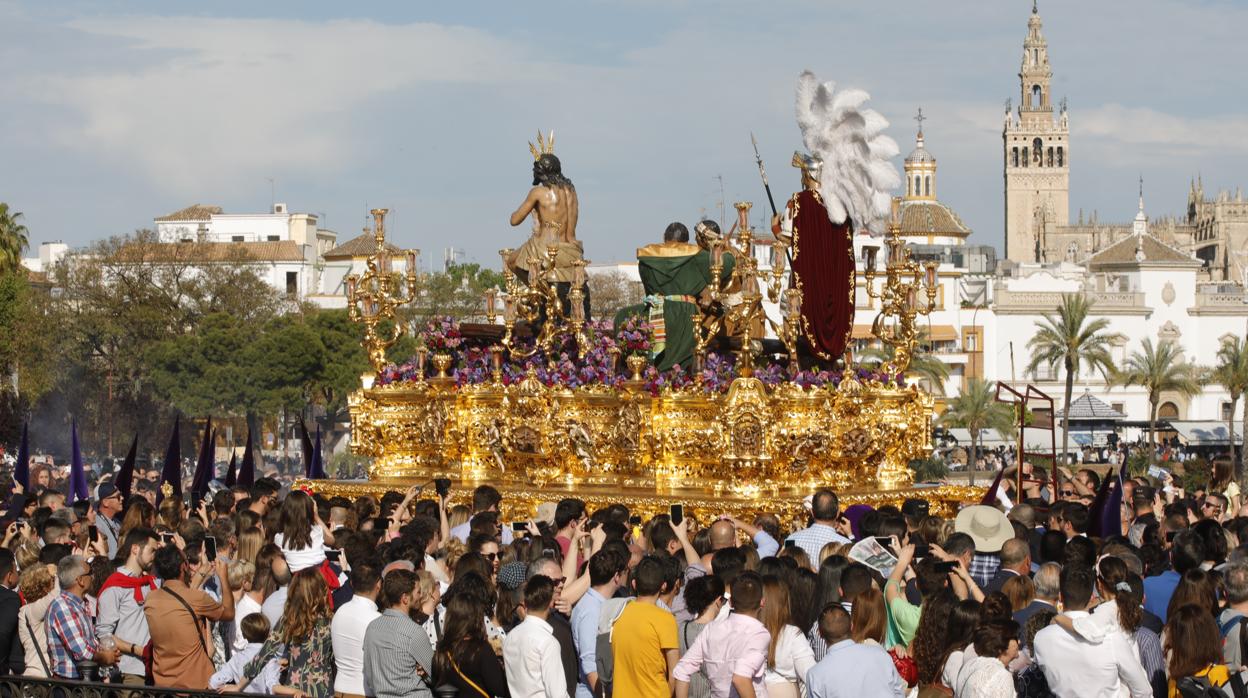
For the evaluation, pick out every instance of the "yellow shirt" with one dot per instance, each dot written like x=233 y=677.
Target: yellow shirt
x=640 y=635
x=1217 y=674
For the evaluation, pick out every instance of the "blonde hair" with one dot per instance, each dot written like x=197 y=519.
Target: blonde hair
x=36 y=582
x=458 y=515
x=240 y=573
x=828 y=550
x=249 y=543
x=425 y=583
x=455 y=549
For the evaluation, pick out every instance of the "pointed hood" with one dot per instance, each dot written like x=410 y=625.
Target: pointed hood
x=77 y=476
x=316 y=468
x=305 y=440
x=990 y=497
x=231 y=475
x=21 y=471
x=1106 y=521
x=125 y=476
x=171 y=473
x=247 y=471
x=204 y=469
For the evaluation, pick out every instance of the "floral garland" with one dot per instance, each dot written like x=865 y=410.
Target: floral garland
x=472 y=365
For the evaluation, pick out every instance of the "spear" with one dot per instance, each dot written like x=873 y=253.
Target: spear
x=762 y=172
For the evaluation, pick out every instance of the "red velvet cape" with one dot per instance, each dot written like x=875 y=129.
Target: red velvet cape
x=823 y=268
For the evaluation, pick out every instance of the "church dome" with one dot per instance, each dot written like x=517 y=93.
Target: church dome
x=919 y=154
x=922 y=219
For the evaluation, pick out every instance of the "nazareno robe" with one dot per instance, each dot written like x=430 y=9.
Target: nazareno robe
x=823 y=267
x=673 y=275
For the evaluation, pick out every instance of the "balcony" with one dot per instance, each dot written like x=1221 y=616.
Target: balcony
x=1009 y=302
x=1220 y=304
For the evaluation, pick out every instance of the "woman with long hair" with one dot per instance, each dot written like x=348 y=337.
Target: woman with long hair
x=300 y=533
x=1196 y=587
x=302 y=637
x=803 y=588
x=264 y=583
x=1020 y=590
x=868 y=624
x=704 y=596
x=928 y=646
x=827 y=592
x=1109 y=615
x=249 y=543
x=139 y=514
x=789 y=656
x=169 y=513
x=960 y=633
x=1194 y=646
x=465 y=659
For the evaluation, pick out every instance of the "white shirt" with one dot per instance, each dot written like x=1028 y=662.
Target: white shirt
x=794 y=657
x=531 y=661
x=984 y=677
x=303 y=558
x=347 y=632
x=1076 y=668
x=245 y=607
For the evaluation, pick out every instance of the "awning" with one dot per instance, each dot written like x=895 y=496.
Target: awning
x=940 y=333
x=1202 y=433
x=989 y=438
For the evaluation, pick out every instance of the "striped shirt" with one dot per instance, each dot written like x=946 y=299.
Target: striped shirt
x=71 y=635
x=814 y=538
x=396 y=653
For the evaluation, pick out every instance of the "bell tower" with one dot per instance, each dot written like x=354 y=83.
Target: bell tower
x=1036 y=158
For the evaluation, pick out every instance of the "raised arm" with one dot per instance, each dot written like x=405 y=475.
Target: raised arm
x=530 y=202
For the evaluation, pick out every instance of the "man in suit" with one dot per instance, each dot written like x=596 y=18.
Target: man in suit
x=1048 y=581
x=1015 y=561
x=12 y=659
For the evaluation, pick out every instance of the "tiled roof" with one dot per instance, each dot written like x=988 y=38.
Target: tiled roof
x=1124 y=252
x=277 y=251
x=930 y=218
x=194 y=212
x=359 y=246
x=1086 y=407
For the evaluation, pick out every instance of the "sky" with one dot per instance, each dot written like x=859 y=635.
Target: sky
x=118 y=111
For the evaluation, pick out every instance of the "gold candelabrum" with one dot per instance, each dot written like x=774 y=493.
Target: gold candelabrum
x=743 y=307
x=537 y=302
x=905 y=279
x=374 y=296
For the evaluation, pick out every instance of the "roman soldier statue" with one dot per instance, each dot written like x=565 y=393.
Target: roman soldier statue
x=846 y=179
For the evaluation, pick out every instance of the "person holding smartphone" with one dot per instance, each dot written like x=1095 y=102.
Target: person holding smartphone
x=120 y=604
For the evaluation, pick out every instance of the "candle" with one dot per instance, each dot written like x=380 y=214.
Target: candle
x=383 y=261
x=509 y=310
x=895 y=214
x=489 y=301
x=778 y=250
x=931 y=274
x=869 y=251
x=352 y=281
x=411 y=261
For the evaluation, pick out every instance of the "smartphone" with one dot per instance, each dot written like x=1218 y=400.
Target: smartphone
x=520 y=526
x=885 y=541
x=385 y=523
x=442 y=485
x=790 y=544
x=634 y=520
x=333 y=556
x=1157 y=472
x=1170 y=536
x=677 y=514
x=166 y=538
x=921 y=550
x=946 y=566
x=93 y=534
x=210 y=548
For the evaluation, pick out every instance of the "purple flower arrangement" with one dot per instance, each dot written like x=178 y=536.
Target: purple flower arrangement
x=561 y=368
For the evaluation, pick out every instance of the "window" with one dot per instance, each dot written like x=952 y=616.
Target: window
x=1014 y=158
x=1036 y=96
x=236 y=238
x=1061 y=156
x=1118 y=407
x=275 y=238
x=927 y=185
x=1048 y=160
x=1037 y=151
x=1226 y=411
x=917 y=188
x=292 y=283
x=1025 y=157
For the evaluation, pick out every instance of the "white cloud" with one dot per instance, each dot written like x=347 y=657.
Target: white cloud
x=222 y=96
x=1144 y=128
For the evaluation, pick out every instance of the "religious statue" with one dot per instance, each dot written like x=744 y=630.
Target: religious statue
x=555 y=208
x=846 y=180
x=674 y=274
x=708 y=234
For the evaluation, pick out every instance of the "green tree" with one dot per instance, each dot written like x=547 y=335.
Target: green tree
x=1231 y=372
x=1159 y=369
x=975 y=409
x=14 y=238
x=1070 y=338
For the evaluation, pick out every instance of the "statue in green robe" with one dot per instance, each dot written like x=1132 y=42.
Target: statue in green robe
x=674 y=274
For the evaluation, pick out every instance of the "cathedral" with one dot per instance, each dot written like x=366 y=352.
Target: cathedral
x=1036 y=162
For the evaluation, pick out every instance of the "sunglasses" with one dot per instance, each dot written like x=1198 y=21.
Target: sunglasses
x=490 y=556
x=1067 y=493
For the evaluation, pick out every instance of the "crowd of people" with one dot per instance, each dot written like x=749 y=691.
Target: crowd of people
x=272 y=590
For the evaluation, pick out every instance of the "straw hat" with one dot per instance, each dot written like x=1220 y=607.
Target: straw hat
x=986 y=525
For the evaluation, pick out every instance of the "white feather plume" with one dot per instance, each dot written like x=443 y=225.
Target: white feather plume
x=858 y=172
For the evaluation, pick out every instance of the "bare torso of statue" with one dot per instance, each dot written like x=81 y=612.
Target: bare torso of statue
x=554 y=209
x=552 y=202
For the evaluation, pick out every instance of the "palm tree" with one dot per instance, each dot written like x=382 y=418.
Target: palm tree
x=975 y=409
x=1232 y=373
x=1158 y=370
x=13 y=239
x=1070 y=338
x=923 y=364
